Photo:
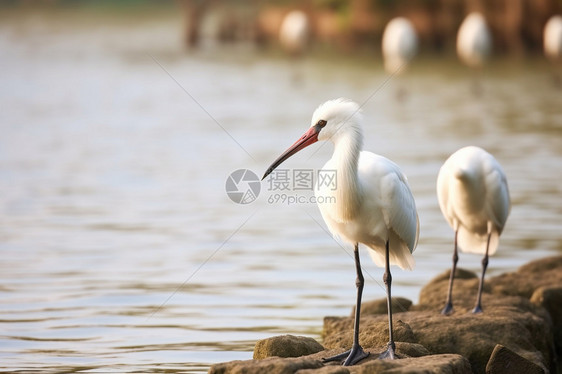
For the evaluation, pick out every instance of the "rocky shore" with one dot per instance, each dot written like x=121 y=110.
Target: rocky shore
x=520 y=331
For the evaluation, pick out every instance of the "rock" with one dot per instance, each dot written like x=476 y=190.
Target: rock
x=475 y=336
x=373 y=332
x=325 y=370
x=543 y=266
x=434 y=294
x=517 y=331
x=272 y=365
x=286 y=346
x=404 y=349
x=441 y=364
x=529 y=277
x=399 y=304
x=337 y=325
x=550 y=298
x=467 y=334
x=460 y=274
x=505 y=361
x=438 y=364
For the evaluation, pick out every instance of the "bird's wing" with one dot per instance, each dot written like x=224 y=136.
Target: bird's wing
x=396 y=199
x=400 y=211
x=498 y=203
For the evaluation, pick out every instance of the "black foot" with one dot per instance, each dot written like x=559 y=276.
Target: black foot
x=351 y=357
x=477 y=309
x=389 y=354
x=340 y=357
x=356 y=355
x=448 y=309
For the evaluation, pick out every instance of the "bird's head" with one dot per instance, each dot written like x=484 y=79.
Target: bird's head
x=330 y=121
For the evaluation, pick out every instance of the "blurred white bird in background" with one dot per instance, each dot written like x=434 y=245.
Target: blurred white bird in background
x=371 y=203
x=552 y=39
x=474 y=199
x=474 y=43
x=295 y=32
x=399 y=46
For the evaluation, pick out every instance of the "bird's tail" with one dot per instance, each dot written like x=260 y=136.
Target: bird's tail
x=474 y=243
x=399 y=252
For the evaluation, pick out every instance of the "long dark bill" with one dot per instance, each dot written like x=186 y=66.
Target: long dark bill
x=308 y=138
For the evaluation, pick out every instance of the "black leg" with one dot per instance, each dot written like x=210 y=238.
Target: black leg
x=356 y=353
x=478 y=307
x=449 y=305
x=387 y=278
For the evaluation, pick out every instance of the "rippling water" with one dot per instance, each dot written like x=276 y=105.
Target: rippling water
x=120 y=249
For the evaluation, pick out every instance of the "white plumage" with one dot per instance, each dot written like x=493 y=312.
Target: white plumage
x=474 y=41
x=553 y=38
x=474 y=199
x=294 y=32
x=370 y=204
x=373 y=202
x=399 y=44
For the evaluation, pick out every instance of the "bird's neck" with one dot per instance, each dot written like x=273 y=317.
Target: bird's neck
x=346 y=159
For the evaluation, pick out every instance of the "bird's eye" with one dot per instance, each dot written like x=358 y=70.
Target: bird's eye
x=321 y=123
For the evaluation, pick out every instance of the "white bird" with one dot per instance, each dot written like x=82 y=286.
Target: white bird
x=474 y=41
x=294 y=32
x=553 y=38
x=399 y=44
x=474 y=198
x=371 y=204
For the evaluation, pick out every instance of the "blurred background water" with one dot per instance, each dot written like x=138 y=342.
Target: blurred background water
x=120 y=250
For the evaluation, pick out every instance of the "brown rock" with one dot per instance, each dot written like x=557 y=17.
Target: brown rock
x=475 y=336
x=459 y=274
x=521 y=321
x=541 y=273
x=373 y=332
x=336 y=325
x=325 y=370
x=404 y=349
x=434 y=294
x=437 y=364
x=543 y=266
x=467 y=334
x=272 y=365
x=550 y=298
x=505 y=361
x=286 y=346
x=399 y=304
